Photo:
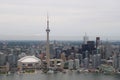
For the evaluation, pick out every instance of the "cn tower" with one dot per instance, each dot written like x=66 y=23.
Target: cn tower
x=47 y=44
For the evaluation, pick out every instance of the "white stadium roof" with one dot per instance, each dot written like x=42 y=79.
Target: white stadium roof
x=29 y=59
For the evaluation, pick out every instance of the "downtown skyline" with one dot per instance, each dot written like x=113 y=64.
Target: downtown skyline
x=26 y=19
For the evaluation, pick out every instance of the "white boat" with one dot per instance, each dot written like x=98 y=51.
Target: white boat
x=50 y=71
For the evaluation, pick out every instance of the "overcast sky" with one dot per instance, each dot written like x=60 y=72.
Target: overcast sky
x=26 y=19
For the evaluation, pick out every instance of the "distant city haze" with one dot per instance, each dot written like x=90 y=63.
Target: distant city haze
x=69 y=19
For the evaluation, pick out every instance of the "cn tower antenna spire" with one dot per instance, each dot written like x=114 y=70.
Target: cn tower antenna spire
x=47 y=21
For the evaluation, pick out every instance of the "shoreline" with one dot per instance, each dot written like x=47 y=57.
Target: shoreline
x=66 y=71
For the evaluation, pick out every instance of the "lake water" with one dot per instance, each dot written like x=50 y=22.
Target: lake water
x=60 y=76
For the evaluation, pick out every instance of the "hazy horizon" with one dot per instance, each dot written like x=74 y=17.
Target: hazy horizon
x=71 y=38
x=26 y=19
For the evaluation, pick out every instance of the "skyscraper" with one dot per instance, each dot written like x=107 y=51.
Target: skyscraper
x=86 y=63
x=2 y=59
x=94 y=61
x=85 y=38
x=47 y=44
x=97 y=42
